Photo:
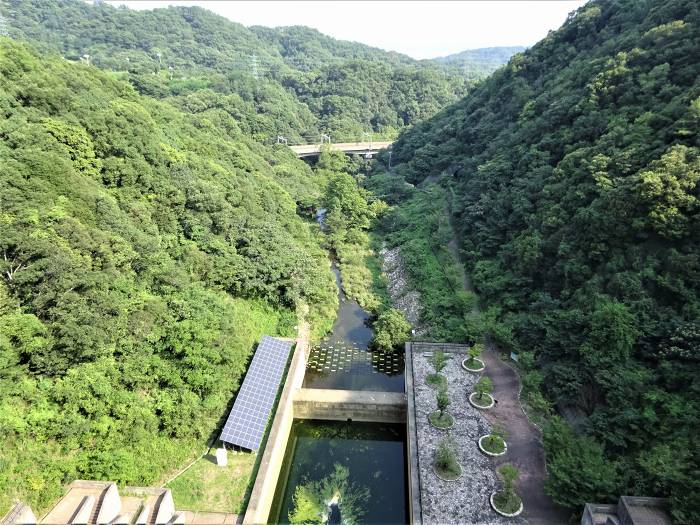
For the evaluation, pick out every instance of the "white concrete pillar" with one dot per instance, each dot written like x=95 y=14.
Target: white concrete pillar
x=221 y=457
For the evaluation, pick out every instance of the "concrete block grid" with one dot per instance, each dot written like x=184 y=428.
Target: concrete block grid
x=465 y=501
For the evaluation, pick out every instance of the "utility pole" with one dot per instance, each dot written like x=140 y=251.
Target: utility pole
x=87 y=59
x=281 y=139
x=170 y=72
x=159 y=55
x=325 y=137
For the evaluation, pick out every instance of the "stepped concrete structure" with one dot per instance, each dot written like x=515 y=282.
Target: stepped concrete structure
x=629 y=510
x=100 y=503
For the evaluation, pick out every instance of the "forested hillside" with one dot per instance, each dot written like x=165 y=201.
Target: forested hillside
x=293 y=81
x=572 y=175
x=143 y=251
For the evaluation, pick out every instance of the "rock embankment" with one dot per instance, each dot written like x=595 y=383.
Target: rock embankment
x=402 y=296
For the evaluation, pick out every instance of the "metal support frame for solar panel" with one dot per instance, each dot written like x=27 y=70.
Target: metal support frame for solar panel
x=248 y=418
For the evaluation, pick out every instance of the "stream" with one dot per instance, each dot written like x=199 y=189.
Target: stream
x=344 y=360
x=345 y=472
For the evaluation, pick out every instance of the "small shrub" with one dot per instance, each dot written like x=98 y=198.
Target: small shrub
x=446 y=460
x=474 y=353
x=390 y=330
x=507 y=500
x=443 y=400
x=483 y=386
x=439 y=361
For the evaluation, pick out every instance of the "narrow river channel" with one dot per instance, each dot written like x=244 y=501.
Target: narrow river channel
x=344 y=471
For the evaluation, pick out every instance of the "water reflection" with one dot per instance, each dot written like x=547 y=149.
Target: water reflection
x=332 y=500
x=337 y=472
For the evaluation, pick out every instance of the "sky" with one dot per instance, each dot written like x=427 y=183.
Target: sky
x=420 y=29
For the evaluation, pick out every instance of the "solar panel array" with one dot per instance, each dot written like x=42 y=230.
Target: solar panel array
x=246 y=423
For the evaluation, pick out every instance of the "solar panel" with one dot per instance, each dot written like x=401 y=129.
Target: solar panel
x=246 y=423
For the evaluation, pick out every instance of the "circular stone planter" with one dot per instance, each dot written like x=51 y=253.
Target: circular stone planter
x=506 y=514
x=493 y=454
x=452 y=419
x=475 y=370
x=481 y=407
x=461 y=472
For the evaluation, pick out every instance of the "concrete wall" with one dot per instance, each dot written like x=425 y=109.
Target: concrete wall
x=414 y=499
x=342 y=405
x=271 y=463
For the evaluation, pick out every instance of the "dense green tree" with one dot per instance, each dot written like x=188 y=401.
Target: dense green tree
x=291 y=81
x=391 y=330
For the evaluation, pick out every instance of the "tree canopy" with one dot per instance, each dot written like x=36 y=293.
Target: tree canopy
x=290 y=81
x=143 y=251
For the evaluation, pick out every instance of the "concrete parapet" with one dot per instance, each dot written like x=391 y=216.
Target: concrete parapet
x=414 y=490
x=343 y=405
x=19 y=514
x=143 y=515
x=449 y=348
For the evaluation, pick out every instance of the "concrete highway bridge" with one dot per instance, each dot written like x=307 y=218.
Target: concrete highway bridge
x=366 y=148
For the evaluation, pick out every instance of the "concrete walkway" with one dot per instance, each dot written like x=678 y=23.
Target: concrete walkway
x=524 y=445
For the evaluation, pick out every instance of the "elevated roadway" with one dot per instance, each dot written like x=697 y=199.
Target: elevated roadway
x=313 y=150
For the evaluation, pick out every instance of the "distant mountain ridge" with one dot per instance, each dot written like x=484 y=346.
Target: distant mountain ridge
x=485 y=56
x=291 y=81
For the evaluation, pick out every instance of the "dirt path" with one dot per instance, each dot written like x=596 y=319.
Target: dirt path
x=524 y=440
x=524 y=445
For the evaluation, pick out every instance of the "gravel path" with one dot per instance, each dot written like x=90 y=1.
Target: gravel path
x=466 y=501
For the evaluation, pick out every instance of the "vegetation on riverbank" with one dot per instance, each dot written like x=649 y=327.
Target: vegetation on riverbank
x=420 y=226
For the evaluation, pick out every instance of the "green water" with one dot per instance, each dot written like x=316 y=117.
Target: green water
x=365 y=463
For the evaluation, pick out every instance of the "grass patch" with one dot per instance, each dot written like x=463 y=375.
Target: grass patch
x=484 y=402
x=436 y=381
x=206 y=486
x=442 y=421
x=361 y=274
x=473 y=363
x=507 y=502
x=493 y=444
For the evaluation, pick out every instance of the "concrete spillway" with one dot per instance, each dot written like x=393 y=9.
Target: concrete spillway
x=344 y=405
